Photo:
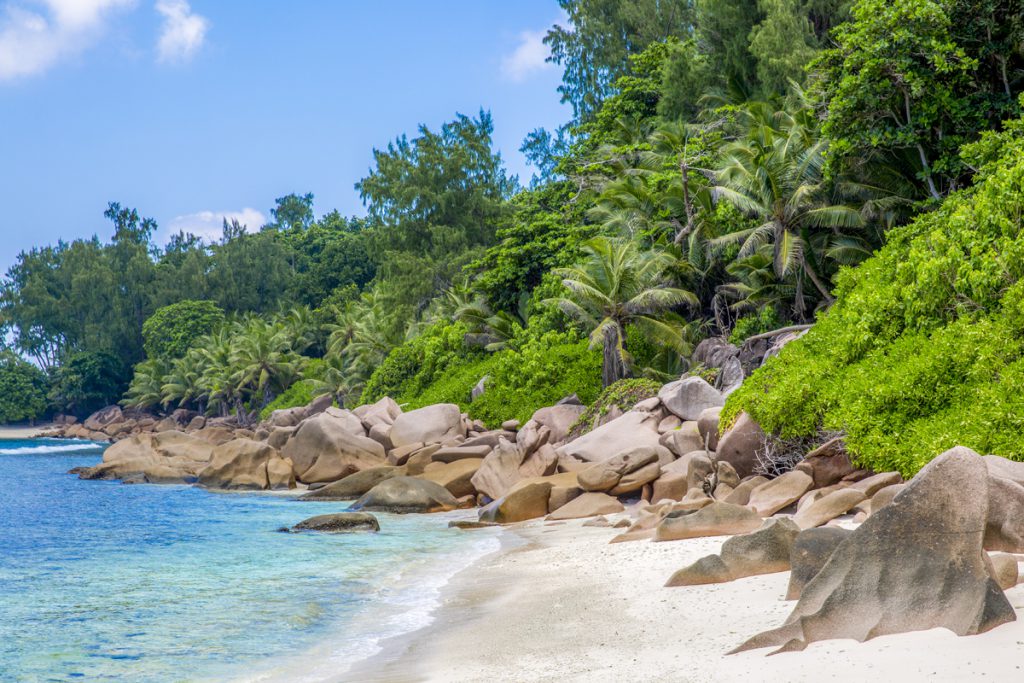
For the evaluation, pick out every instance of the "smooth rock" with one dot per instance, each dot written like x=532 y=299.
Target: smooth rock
x=707 y=424
x=630 y=430
x=587 y=505
x=914 y=565
x=405 y=495
x=689 y=397
x=355 y=484
x=323 y=448
x=339 y=523
x=526 y=502
x=715 y=519
x=811 y=551
x=456 y=476
x=741 y=444
x=779 y=493
x=828 y=507
x=432 y=424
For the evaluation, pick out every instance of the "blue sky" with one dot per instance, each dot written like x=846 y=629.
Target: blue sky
x=194 y=110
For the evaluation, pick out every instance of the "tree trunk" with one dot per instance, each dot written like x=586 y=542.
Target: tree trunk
x=818 y=283
x=612 y=369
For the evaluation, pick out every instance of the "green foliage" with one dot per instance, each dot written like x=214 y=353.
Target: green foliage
x=923 y=349
x=22 y=389
x=764 y=320
x=621 y=395
x=298 y=394
x=173 y=329
x=411 y=368
x=915 y=79
x=87 y=381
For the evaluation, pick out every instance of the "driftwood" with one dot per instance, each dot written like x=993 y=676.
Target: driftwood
x=775 y=333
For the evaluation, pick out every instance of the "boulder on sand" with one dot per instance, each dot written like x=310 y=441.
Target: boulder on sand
x=714 y=519
x=607 y=474
x=740 y=445
x=764 y=551
x=522 y=503
x=324 y=449
x=687 y=398
x=405 y=495
x=432 y=424
x=916 y=564
x=811 y=551
x=339 y=523
x=781 y=492
x=828 y=507
x=588 y=505
x=166 y=458
x=355 y=484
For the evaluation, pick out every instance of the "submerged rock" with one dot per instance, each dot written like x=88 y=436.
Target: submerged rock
x=339 y=523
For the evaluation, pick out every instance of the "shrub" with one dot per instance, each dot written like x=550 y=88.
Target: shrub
x=22 y=389
x=623 y=394
x=924 y=348
x=173 y=330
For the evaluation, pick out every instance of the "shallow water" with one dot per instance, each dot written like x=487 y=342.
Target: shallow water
x=100 y=581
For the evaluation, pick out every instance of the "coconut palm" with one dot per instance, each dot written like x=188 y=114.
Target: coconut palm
x=618 y=285
x=263 y=361
x=774 y=172
x=144 y=392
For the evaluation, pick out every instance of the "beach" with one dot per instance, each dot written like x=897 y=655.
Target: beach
x=23 y=431
x=559 y=603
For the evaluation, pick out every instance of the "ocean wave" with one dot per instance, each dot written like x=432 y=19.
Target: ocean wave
x=44 y=449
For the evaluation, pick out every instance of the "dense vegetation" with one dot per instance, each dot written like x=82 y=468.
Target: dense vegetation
x=924 y=348
x=727 y=164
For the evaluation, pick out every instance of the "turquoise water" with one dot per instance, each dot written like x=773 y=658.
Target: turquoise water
x=101 y=581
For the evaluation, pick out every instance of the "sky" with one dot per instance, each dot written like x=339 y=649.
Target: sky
x=194 y=110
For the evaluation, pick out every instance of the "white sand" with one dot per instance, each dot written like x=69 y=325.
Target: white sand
x=21 y=432
x=571 y=607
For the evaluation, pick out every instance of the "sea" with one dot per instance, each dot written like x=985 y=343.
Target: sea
x=103 y=581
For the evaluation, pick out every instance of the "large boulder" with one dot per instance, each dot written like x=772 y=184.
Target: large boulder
x=509 y=463
x=741 y=444
x=714 y=519
x=405 y=495
x=339 y=523
x=683 y=440
x=827 y=464
x=438 y=423
x=520 y=504
x=355 y=484
x=558 y=419
x=828 y=507
x=323 y=448
x=634 y=428
x=811 y=551
x=103 y=418
x=640 y=462
x=1004 y=528
x=455 y=476
x=764 y=551
x=916 y=564
x=166 y=458
x=588 y=505
x=239 y=464
x=687 y=398
x=383 y=412
x=781 y=492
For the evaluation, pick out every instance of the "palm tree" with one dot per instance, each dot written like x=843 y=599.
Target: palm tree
x=618 y=285
x=183 y=383
x=145 y=389
x=263 y=361
x=774 y=172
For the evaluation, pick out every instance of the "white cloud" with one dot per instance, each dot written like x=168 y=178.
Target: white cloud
x=182 y=33
x=209 y=224
x=32 y=41
x=529 y=57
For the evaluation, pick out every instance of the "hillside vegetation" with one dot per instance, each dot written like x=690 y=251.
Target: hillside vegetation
x=924 y=347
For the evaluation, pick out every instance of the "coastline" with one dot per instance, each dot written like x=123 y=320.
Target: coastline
x=564 y=604
x=12 y=432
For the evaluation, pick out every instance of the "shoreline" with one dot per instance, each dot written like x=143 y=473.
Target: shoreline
x=15 y=432
x=566 y=605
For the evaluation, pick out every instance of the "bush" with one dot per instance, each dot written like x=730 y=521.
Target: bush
x=623 y=394
x=88 y=381
x=765 y=320
x=298 y=394
x=172 y=330
x=22 y=389
x=924 y=348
